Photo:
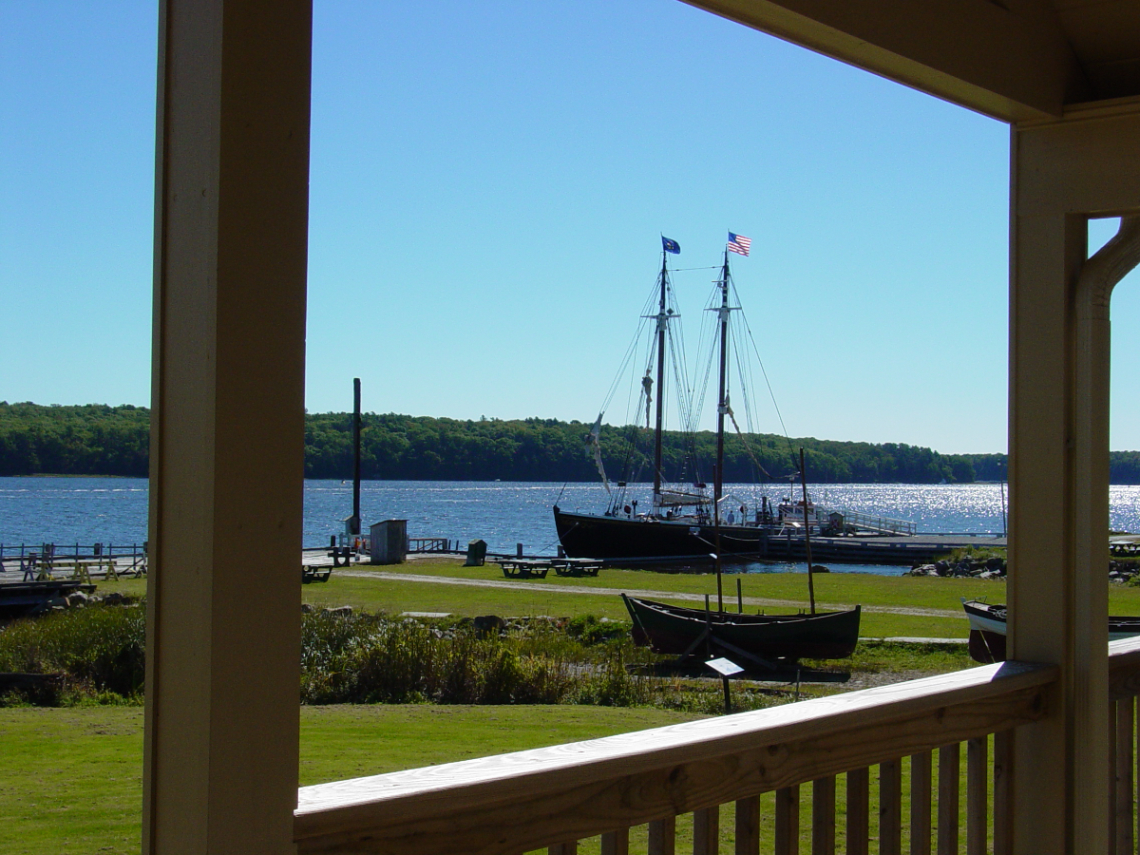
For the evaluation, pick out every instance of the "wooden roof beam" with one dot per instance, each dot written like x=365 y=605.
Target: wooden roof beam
x=1008 y=59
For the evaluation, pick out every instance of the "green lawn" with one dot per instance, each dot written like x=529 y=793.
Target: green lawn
x=550 y=596
x=71 y=780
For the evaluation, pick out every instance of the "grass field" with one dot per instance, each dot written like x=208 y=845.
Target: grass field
x=71 y=780
x=375 y=589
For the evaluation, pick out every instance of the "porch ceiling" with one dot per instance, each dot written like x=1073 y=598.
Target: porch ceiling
x=1011 y=59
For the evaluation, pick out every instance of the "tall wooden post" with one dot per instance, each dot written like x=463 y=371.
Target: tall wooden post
x=223 y=620
x=1063 y=172
x=355 y=524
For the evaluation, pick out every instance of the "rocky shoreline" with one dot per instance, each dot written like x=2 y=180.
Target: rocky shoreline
x=994 y=567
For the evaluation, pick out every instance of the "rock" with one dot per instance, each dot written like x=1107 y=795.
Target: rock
x=339 y=611
x=77 y=600
x=819 y=568
x=306 y=609
x=924 y=570
x=487 y=624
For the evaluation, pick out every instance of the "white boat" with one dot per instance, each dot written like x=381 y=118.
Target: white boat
x=988 y=629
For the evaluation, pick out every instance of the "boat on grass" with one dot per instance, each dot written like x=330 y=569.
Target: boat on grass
x=768 y=641
x=988 y=629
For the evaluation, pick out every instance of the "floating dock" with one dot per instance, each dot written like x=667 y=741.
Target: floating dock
x=906 y=551
x=902 y=550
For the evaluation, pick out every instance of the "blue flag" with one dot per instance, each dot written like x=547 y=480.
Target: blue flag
x=670 y=245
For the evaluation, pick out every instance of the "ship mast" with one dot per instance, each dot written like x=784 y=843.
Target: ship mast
x=721 y=409
x=722 y=397
x=662 y=323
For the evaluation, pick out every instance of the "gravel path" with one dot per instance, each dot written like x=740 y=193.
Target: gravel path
x=613 y=592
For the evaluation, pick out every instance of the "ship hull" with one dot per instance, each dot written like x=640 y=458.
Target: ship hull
x=988 y=629
x=606 y=537
x=680 y=631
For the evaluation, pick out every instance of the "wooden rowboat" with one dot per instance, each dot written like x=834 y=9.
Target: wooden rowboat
x=988 y=629
x=760 y=639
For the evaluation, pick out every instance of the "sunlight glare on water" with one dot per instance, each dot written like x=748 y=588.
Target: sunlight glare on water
x=114 y=510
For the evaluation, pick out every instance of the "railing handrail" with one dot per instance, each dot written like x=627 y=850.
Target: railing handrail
x=529 y=799
x=1124 y=668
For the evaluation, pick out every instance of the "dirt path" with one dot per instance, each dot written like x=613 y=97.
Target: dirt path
x=613 y=592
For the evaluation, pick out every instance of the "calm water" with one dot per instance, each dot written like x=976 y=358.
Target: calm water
x=114 y=510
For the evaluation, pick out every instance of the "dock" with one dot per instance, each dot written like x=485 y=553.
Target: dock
x=876 y=549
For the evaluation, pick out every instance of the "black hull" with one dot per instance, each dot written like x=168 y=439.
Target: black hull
x=593 y=536
x=653 y=542
x=679 y=631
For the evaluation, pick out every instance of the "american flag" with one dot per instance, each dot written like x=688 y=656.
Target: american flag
x=739 y=244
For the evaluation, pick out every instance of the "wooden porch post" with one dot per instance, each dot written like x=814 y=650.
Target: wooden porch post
x=1063 y=172
x=223 y=619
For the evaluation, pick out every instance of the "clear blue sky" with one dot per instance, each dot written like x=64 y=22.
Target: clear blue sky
x=489 y=181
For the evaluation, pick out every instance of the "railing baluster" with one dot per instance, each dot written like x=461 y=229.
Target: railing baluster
x=949 y=767
x=564 y=848
x=663 y=836
x=920 y=765
x=890 y=808
x=1003 y=764
x=1113 y=779
x=977 y=801
x=748 y=826
x=788 y=820
x=858 y=811
x=616 y=842
x=706 y=831
x=1125 y=722
x=823 y=816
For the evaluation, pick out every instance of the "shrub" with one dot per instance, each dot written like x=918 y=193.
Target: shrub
x=97 y=650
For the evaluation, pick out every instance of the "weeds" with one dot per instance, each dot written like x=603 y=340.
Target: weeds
x=96 y=652
x=97 y=657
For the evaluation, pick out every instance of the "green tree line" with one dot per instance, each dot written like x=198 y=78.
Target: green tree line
x=96 y=439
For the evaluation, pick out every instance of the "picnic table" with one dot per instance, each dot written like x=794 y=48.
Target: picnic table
x=537 y=568
x=315 y=573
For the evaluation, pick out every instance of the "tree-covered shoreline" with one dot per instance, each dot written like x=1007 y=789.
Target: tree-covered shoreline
x=97 y=439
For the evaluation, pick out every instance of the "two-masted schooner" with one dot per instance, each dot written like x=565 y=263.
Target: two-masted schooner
x=686 y=522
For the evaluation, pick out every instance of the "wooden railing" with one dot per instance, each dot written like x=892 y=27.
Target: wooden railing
x=656 y=785
x=1123 y=687
x=430 y=544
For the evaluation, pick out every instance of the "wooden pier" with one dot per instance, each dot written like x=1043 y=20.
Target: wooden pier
x=903 y=551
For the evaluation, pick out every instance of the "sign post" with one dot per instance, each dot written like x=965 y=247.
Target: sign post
x=726 y=668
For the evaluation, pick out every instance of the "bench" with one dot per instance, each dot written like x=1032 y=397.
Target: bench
x=576 y=567
x=523 y=569
x=315 y=573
